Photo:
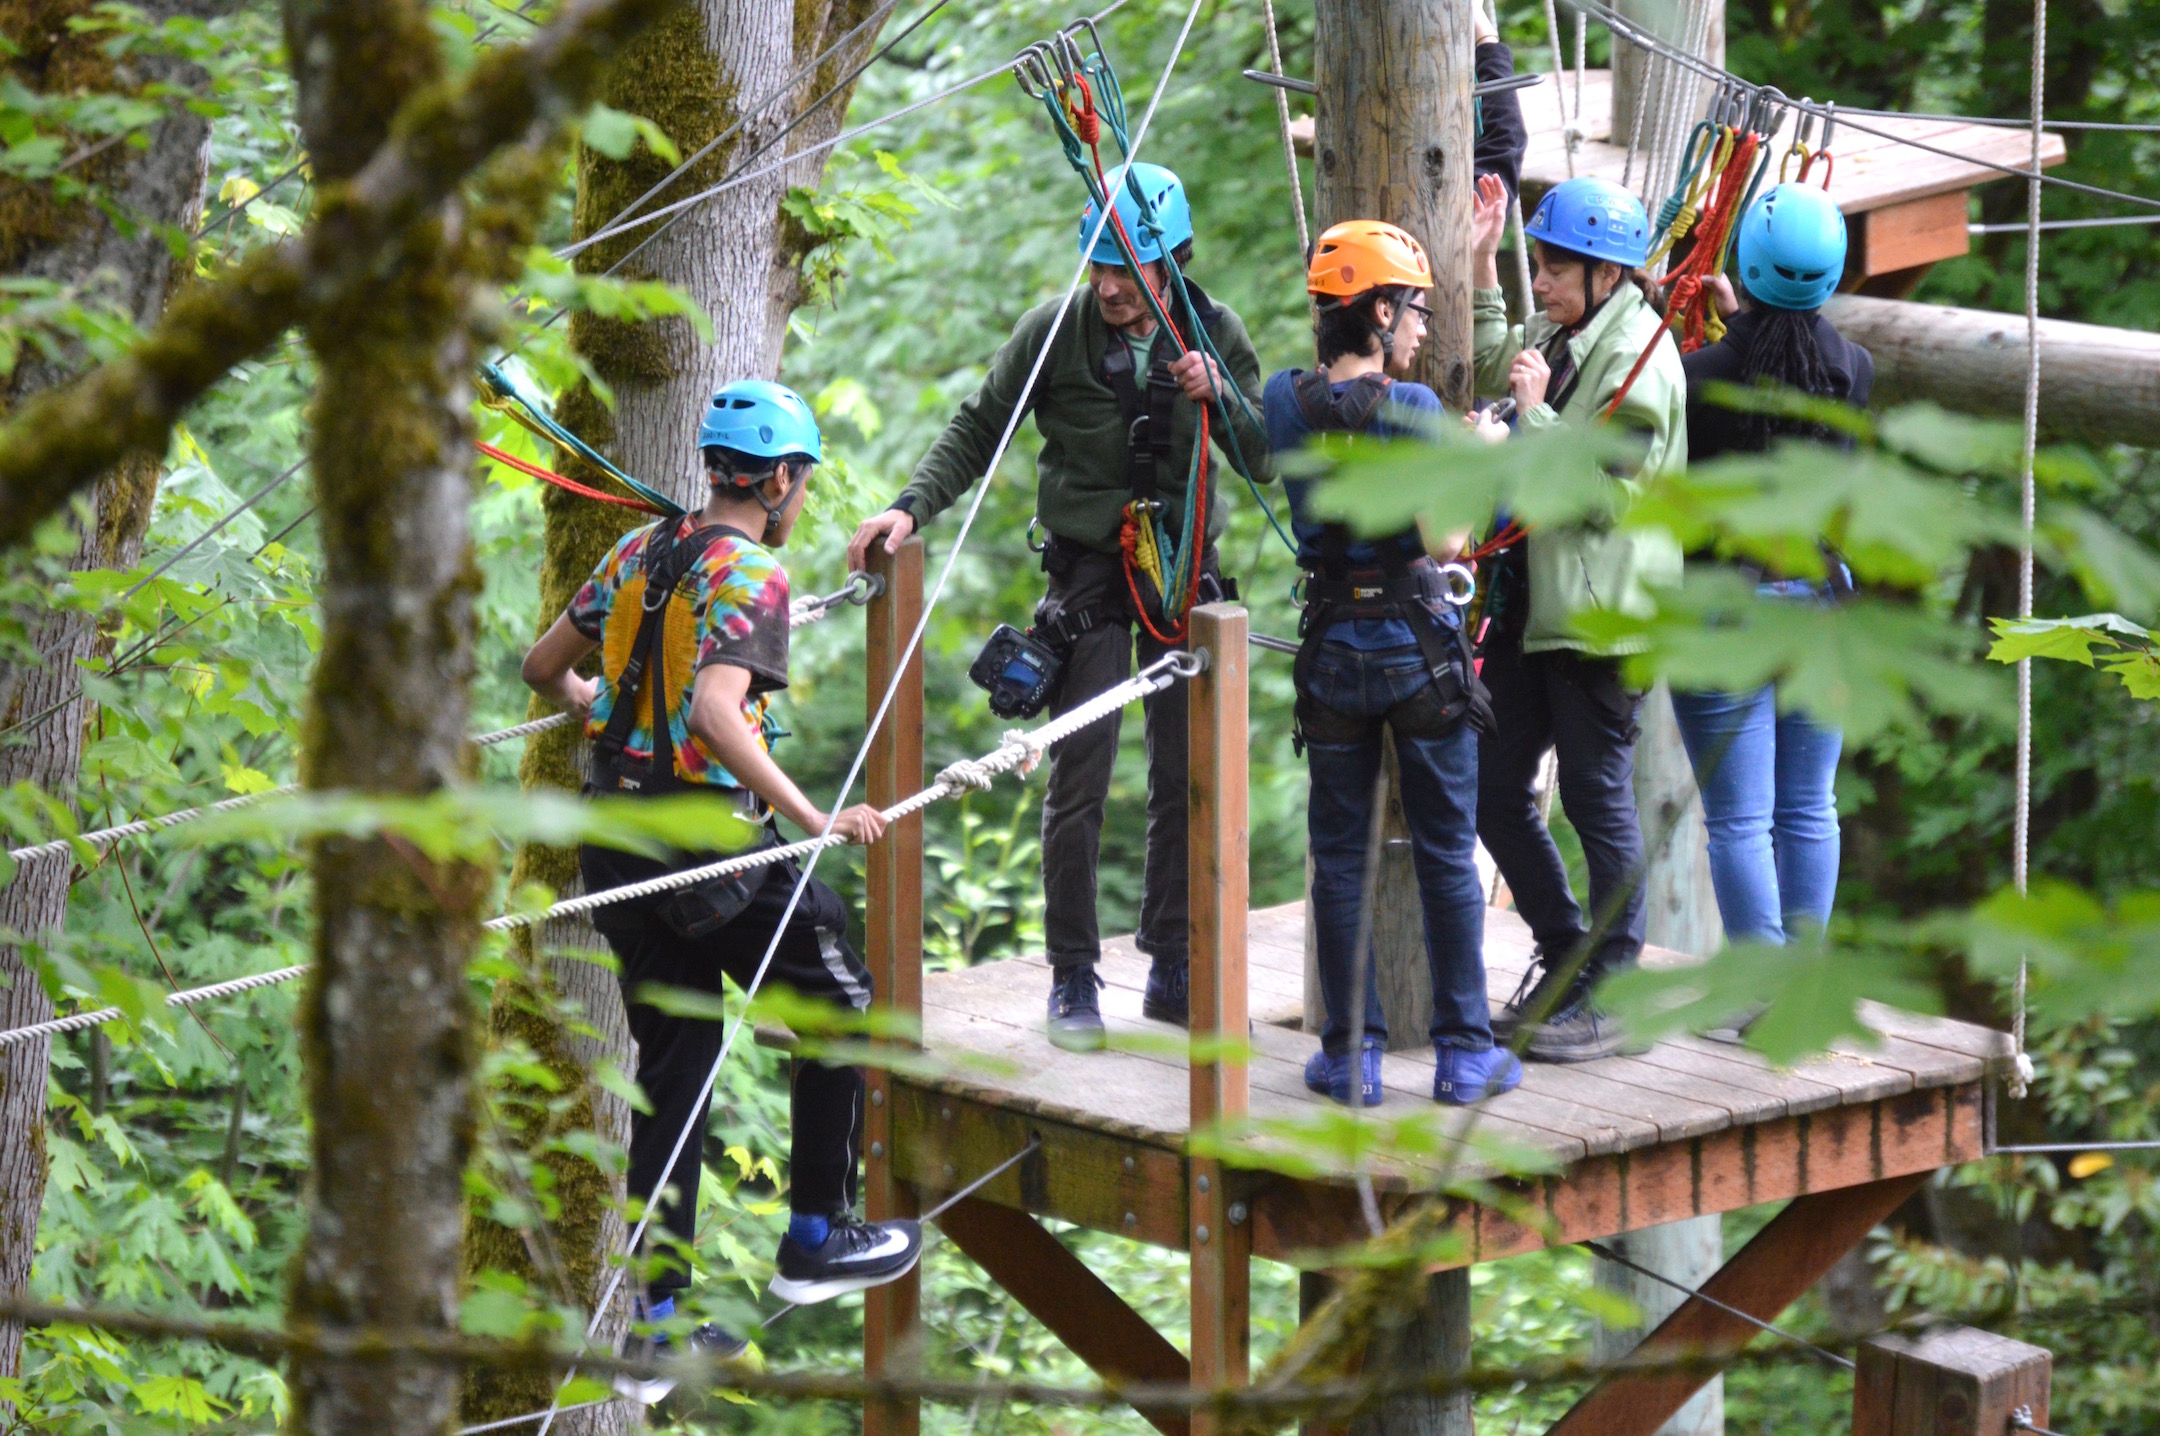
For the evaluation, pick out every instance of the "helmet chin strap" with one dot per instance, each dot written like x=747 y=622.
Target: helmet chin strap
x=774 y=512
x=1387 y=335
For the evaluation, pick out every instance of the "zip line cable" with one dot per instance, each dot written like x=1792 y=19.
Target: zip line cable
x=2116 y=126
x=2105 y=221
x=1606 y=1253
x=623 y=221
x=892 y=689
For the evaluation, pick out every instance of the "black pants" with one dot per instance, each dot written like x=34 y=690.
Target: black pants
x=1080 y=769
x=1578 y=705
x=675 y=1054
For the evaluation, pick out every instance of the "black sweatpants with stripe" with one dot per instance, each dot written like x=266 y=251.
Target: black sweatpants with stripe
x=676 y=1053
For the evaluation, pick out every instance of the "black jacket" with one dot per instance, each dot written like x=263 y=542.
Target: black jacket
x=1715 y=430
x=1503 y=136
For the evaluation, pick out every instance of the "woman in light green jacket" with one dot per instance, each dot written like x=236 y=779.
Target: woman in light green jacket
x=1553 y=687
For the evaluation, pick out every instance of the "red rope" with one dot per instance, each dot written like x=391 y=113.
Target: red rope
x=548 y=476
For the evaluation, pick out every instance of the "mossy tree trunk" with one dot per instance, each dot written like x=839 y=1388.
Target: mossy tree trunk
x=129 y=270
x=737 y=257
x=386 y=1021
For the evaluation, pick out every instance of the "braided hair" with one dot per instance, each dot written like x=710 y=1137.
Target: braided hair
x=1784 y=352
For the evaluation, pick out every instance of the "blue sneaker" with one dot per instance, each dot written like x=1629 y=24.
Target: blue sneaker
x=1461 y=1077
x=1330 y=1076
x=1169 y=993
x=1075 y=1012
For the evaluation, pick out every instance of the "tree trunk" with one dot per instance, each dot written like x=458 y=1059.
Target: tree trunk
x=73 y=244
x=738 y=258
x=385 y=1023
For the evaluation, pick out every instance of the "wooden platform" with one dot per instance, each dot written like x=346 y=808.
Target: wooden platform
x=1690 y=1126
x=1906 y=206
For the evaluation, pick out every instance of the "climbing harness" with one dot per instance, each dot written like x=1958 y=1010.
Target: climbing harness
x=1079 y=88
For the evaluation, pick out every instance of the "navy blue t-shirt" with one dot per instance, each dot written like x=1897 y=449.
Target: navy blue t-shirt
x=1287 y=429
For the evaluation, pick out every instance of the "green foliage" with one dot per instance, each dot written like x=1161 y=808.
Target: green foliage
x=2105 y=639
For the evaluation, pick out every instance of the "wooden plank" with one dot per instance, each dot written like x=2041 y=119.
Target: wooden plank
x=1602 y=1196
x=892 y=930
x=1081 y=1175
x=1217 y=835
x=1911 y=232
x=1061 y=1292
x=1953 y=1381
x=1767 y=1275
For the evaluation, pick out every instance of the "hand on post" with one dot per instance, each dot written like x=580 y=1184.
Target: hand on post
x=893 y=526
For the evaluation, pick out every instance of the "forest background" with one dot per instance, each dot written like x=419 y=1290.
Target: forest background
x=176 y=1154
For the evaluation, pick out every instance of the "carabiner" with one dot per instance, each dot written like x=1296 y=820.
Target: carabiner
x=1034 y=547
x=1458 y=574
x=1028 y=67
x=1072 y=34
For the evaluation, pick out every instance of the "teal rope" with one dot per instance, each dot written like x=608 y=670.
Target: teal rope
x=500 y=383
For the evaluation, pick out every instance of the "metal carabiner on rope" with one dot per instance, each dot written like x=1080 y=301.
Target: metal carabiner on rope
x=1829 y=161
x=1071 y=33
x=1802 y=133
x=1462 y=585
x=1071 y=64
x=1030 y=69
x=1034 y=547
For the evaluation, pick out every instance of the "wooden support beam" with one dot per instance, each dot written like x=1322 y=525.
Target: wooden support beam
x=1058 y=1290
x=892 y=930
x=2096 y=384
x=1909 y=233
x=1218 y=831
x=1766 y=1276
x=1950 y=1382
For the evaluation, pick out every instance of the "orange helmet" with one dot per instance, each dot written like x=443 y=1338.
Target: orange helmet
x=1362 y=254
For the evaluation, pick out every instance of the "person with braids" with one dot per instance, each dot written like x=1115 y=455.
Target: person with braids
x=1553 y=684
x=1768 y=777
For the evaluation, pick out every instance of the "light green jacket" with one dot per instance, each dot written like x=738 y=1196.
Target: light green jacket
x=1573 y=571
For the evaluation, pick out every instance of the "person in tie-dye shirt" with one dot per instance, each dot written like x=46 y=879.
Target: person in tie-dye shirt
x=722 y=653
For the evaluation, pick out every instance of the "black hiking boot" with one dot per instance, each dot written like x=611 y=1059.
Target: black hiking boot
x=1169 y=992
x=1075 y=1012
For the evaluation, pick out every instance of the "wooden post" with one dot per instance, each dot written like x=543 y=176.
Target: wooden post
x=892 y=930
x=1673 y=91
x=1950 y=1382
x=1218 y=831
x=1681 y=913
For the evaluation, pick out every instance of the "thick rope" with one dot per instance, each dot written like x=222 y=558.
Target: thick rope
x=1020 y=752
x=1289 y=149
x=2021 y=827
x=1569 y=135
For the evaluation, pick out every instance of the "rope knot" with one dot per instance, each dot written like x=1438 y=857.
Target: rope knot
x=969 y=774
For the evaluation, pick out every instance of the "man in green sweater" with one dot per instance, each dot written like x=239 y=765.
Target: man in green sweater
x=1111 y=379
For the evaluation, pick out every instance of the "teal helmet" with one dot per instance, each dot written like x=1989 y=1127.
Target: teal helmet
x=1165 y=194
x=1593 y=218
x=760 y=418
x=1791 y=247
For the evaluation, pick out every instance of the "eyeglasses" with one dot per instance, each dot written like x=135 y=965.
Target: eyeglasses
x=1418 y=309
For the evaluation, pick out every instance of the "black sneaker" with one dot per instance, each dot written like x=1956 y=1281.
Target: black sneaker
x=1733 y=1030
x=1075 y=1013
x=1578 y=1032
x=855 y=1256
x=707 y=1340
x=1169 y=993
x=1538 y=981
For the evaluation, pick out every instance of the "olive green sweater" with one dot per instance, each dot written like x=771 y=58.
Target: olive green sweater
x=1083 y=477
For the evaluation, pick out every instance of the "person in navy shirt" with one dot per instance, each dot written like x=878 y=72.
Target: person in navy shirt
x=1383 y=652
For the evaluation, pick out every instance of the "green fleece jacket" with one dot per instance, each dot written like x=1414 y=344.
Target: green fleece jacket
x=1575 y=570
x=1083 y=477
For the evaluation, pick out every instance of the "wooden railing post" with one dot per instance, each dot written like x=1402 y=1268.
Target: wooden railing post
x=1220 y=1226
x=1951 y=1382
x=892 y=928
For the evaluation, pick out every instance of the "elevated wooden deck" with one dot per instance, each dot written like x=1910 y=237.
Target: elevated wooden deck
x=1191 y=1141
x=1906 y=206
x=1689 y=1127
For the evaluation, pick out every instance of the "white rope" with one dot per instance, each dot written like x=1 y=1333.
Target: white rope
x=892 y=689
x=2021 y=828
x=1289 y=148
x=1569 y=135
x=1021 y=750
x=76 y=1021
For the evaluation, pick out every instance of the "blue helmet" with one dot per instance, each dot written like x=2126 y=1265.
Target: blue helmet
x=1165 y=195
x=1791 y=247
x=761 y=418
x=1594 y=218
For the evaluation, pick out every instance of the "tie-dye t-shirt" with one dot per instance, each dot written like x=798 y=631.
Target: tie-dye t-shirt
x=731 y=607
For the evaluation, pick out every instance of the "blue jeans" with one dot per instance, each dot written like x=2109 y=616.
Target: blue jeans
x=1768 y=783
x=1349 y=698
